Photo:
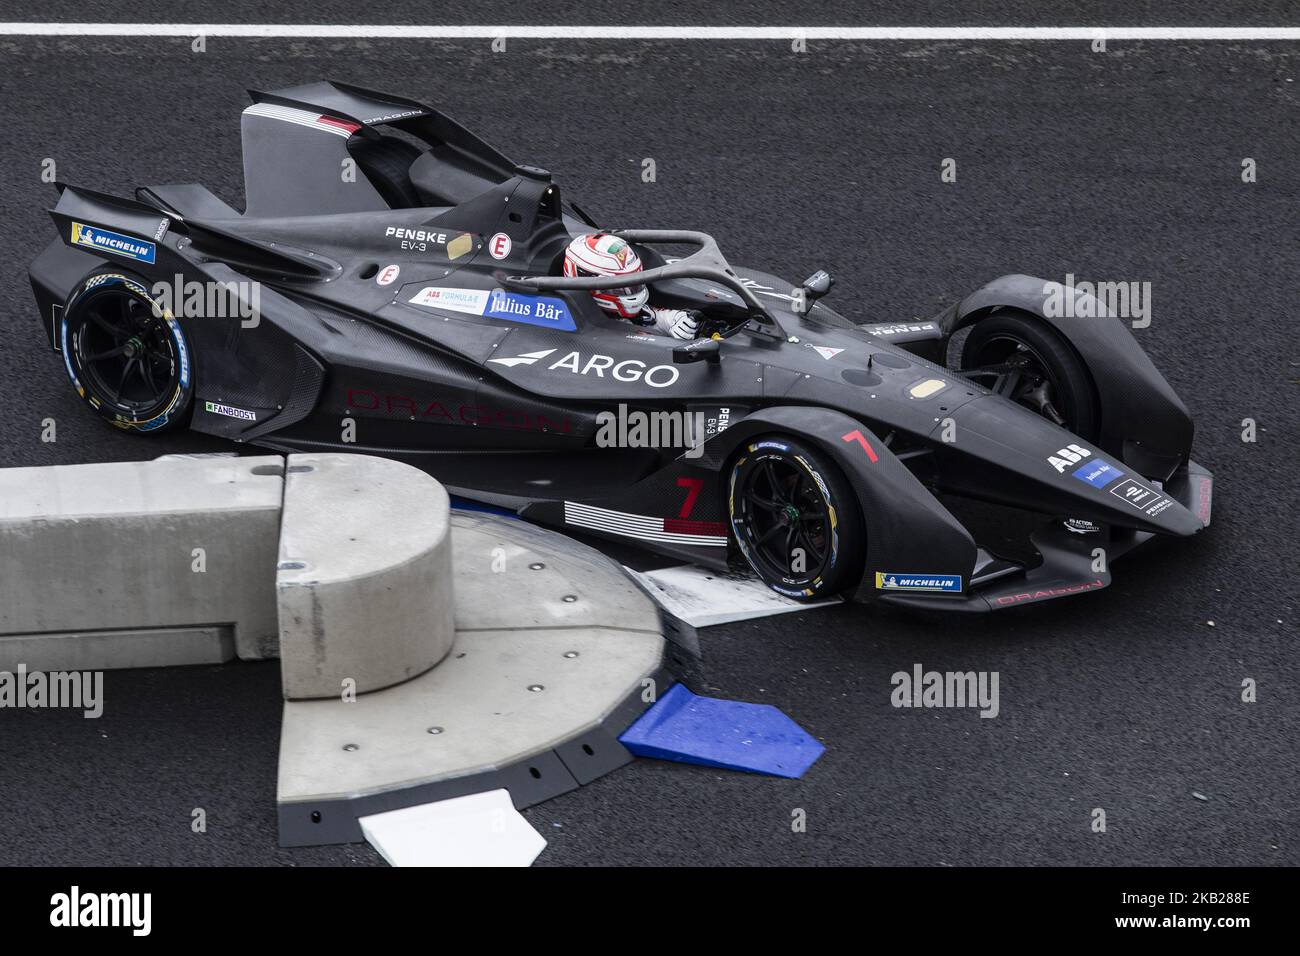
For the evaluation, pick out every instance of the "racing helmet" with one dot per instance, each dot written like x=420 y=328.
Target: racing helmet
x=601 y=254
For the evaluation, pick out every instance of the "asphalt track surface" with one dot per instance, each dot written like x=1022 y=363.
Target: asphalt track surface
x=1121 y=166
x=675 y=12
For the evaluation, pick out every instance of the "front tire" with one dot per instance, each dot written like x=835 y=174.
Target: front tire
x=126 y=355
x=795 y=519
x=1021 y=358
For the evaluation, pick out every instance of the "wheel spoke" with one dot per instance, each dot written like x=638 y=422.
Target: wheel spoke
x=121 y=383
x=146 y=375
x=813 y=551
x=116 y=332
x=158 y=352
x=770 y=470
x=809 y=498
x=111 y=353
x=768 y=534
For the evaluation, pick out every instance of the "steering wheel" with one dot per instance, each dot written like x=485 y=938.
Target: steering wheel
x=711 y=325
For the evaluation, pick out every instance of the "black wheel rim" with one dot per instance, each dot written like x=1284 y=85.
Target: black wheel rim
x=1010 y=367
x=784 y=509
x=127 y=354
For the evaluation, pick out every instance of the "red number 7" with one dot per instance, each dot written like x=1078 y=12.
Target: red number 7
x=694 y=484
x=858 y=437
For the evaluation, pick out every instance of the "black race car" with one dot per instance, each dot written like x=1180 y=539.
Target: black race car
x=394 y=287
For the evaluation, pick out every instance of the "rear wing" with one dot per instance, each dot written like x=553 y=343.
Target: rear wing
x=370 y=109
x=296 y=148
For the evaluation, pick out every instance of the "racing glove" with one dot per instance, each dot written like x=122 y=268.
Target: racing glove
x=675 y=322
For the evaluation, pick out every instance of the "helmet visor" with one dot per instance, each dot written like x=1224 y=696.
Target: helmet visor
x=624 y=291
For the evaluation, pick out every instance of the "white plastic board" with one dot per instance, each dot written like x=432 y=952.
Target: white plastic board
x=481 y=829
x=702 y=598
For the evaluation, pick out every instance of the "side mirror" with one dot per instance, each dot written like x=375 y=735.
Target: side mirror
x=817 y=285
x=700 y=350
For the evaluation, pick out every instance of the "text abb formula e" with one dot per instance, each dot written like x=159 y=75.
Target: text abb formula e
x=417 y=309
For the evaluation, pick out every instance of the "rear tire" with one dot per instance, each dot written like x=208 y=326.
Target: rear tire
x=796 y=519
x=1035 y=367
x=387 y=164
x=126 y=356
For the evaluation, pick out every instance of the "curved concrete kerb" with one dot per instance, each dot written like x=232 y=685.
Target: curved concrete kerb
x=532 y=699
x=556 y=650
x=364 y=578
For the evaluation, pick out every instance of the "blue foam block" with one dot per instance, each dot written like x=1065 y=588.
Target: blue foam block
x=464 y=504
x=722 y=733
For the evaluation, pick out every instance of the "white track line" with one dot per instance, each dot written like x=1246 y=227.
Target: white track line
x=422 y=32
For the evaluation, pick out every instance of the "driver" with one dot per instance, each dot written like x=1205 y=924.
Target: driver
x=601 y=254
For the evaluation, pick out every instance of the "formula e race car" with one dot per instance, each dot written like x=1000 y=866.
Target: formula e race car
x=417 y=309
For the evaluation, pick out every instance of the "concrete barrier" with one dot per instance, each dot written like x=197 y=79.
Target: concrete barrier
x=364 y=579
x=556 y=652
x=424 y=654
x=138 y=564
